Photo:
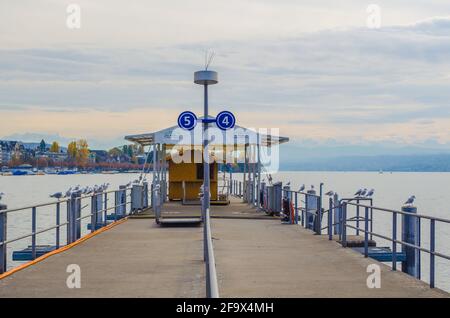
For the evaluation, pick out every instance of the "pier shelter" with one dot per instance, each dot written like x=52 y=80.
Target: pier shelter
x=178 y=159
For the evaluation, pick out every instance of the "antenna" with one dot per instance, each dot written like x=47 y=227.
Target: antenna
x=209 y=56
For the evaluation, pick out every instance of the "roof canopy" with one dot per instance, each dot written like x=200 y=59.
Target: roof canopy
x=237 y=136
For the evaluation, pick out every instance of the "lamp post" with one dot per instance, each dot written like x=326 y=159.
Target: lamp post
x=205 y=78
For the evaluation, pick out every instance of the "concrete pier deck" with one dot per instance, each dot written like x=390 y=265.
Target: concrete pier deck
x=257 y=257
x=133 y=259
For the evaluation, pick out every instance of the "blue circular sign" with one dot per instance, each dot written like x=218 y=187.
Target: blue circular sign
x=225 y=120
x=187 y=120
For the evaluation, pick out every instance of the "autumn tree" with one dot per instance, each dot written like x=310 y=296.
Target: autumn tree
x=72 y=150
x=54 y=147
x=82 y=152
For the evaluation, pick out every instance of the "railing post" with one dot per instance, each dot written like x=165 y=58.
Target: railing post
x=58 y=222
x=77 y=215
x=296 y=207
x=33 y=231
x=409 y=235
x=344 y=224
x=3 y=238
x=432 y=250
x=69 y=221
x=116 y=205
x=394 y=241
x=366 y=232
x=93 y=212
x=145 y=185
x=357 y=216
x=330 y=219
x=105 y=208
x=304 y=213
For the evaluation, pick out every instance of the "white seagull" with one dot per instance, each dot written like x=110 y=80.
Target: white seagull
x=302 y=188
x=370 y=193
x=330 y=193
x=410 y=200
x=57 y=195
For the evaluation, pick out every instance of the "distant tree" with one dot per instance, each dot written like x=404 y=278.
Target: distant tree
x=54 y=147
x=115 y=152
x=42 y=146
x=72 y=150
x=82 y=152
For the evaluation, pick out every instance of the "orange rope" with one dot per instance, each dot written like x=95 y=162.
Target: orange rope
x=61 y=249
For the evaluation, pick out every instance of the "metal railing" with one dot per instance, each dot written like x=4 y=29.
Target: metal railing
x=99 y=213
x=308 y=211
x=410 y=242
x=212 y=289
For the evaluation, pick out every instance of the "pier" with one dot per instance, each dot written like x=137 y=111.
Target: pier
x=196 y=230
x=256 y=256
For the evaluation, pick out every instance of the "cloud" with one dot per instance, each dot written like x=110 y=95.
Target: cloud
x=348 y=82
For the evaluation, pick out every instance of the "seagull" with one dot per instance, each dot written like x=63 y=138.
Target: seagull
x=370 y=193
x=1 y=195
x=363 y=192
x=312 y=186
x=410 y=200
x=288 y=184
x=57 y=195
x=302 y=188
x=330 y=193
x=358 y=193
x=128 y=184
x=68 y=192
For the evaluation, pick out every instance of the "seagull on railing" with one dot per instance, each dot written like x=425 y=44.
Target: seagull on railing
x=370 y=193
x=57 y=195
x=410 y=200
x=361 y=192
x=68 y=192
x=302 y=188
x=1 y=195
x=312 y=186
x=330 y=193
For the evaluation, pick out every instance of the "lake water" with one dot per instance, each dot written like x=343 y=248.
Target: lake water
x=391 y=190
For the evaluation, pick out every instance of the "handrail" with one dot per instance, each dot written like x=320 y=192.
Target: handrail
x=40 y=205
x=212 y=289
x=73 y=223
x=422 y=216
x=394 y=239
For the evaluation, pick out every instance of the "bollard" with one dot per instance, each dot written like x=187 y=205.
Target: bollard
x=75 y=214
x=3 y=235
x=410 y=230
x=120 y=197
x=136 y=197
x=99 y=207
x=277 y=197
x=337 y=214
x=330 y=219
x=312 y=205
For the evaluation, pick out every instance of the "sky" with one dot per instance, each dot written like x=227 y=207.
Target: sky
x=311 y=68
